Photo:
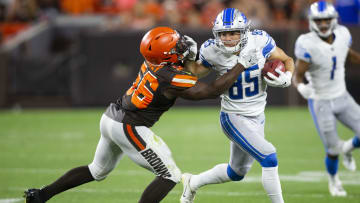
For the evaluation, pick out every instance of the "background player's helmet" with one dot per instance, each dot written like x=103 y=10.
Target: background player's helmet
x=322 y=10
x=231 y=19
x=163 y=45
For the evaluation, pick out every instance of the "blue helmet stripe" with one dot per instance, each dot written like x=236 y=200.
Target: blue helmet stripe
x=244 y=17
x=228 y=16
x=322 y=6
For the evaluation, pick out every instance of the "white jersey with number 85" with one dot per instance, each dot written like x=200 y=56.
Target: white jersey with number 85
x=247 y=96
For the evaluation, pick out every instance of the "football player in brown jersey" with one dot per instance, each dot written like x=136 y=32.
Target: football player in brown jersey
x=125 y=125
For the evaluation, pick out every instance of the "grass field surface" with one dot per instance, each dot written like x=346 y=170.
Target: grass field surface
x=38 y=146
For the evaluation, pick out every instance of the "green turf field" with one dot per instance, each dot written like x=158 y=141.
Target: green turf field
x=37 y=146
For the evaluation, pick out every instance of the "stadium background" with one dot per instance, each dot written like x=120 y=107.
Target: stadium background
x=62 y=62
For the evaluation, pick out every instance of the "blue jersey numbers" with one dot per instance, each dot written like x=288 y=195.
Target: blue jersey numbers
x=333 y=68
x=209 y=42
x=257 y=32
x=251 y=83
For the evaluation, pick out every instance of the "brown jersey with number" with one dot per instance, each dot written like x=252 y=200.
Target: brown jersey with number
x=144 y=102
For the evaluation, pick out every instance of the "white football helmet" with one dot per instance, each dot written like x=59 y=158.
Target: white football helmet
x=231 y=19
x=322 y=10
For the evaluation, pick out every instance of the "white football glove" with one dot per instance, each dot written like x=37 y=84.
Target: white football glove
x=249 y=58
x=192 y=48
x=283 y=80
x=306 y=91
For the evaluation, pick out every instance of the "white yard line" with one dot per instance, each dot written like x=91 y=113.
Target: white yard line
x=11 y=200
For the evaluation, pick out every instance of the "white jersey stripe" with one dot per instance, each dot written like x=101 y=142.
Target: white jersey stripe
x=186 y=81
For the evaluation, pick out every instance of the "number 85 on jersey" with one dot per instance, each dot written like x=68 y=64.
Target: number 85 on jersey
x=247 y=84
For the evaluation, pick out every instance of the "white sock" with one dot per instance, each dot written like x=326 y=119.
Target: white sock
x=271 y=183
x=348 y=146
x=218 y=174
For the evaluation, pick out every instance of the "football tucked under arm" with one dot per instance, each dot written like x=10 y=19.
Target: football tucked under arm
x=274 y=74
x=270 y=67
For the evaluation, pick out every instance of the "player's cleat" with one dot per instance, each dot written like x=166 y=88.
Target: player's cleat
x=335 y=187
x=349 y=162
x=188 y=194
x=33 y=196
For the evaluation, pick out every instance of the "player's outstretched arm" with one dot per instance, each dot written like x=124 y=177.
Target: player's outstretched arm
x=197 y=69
x=212 y=90
x=354 y=56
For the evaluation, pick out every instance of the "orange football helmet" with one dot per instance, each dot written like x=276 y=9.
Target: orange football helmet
x=163 y=45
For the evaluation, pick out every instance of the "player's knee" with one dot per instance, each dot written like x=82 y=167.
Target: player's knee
x=173 y=173
x=97 y=172
x=269 y=161
x=334 y=147
x=175 y=176
x=233 y=175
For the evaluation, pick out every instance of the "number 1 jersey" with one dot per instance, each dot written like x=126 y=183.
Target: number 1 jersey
x=326 y=72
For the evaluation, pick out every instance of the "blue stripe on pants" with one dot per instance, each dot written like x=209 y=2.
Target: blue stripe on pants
x=236 y=136
x=313 y=115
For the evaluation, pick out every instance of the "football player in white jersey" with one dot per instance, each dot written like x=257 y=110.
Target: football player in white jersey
x=321 y=56
x=242 y=106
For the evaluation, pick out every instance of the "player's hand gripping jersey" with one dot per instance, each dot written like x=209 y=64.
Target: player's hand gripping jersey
x=248 y=94
x=326 y=72
x=145 y=102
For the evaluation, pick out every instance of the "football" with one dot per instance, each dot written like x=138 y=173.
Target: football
x=270 y=66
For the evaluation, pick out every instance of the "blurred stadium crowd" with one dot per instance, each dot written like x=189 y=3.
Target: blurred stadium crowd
x=16 y=15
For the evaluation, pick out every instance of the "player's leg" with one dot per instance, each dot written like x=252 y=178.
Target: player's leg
x=73 y=178
x=191 y=183
x=325 y=122
x=106 y=157
x=248 y=134
x=349 y=115
x=240 y=163
x=157 y=190
x=151 y=152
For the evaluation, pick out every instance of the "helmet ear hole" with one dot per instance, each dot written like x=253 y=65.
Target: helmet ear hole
x=150 y=47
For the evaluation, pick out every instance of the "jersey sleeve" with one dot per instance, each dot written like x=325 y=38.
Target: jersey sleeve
x=301 y=52
x=177 y=78
x=205 y=53
x=183 y=81
x=265 y=42
x=347 y=35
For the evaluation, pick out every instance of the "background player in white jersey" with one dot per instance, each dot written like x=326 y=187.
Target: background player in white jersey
x=322 y=54
x=242 y=106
